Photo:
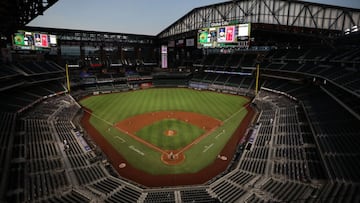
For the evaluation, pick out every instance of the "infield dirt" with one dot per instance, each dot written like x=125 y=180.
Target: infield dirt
x=134 y=174
x=131 y=125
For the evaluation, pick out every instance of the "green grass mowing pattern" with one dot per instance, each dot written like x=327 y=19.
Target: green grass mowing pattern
x=155 y=134
x=113 y=108
x=116 y=107
x=213 y=144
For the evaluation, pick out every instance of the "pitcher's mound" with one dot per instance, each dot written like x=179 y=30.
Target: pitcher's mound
x=170 y=133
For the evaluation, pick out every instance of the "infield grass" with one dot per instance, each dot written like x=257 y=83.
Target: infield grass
x=111 y=108
x=156 y=134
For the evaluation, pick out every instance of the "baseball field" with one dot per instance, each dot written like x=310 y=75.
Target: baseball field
x=164 y=131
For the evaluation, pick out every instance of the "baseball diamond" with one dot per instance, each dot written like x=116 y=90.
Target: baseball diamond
x=133 y=123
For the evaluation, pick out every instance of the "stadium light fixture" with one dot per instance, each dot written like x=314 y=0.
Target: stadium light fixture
x=354 y=28
x=347 y=31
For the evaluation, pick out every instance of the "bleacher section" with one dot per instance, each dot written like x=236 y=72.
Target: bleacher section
x=287 y=191
x=200 y=195
x=339 y=66
x=72 y=196
x=225 y=193
x=7 y=130
x=27 y=83
x=153 y=197
x=126 y=194
x=36 y=68
x=228 y=73
x=333 y=129
x=38 y=163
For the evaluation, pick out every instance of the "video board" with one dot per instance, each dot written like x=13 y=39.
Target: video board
x=223 y=36
x=24 y=40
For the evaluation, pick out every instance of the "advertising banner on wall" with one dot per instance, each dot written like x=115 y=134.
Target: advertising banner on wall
x=190 y=42
x=164 y=52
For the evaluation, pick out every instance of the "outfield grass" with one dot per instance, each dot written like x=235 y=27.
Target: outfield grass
x=112 y=108
x=155 y=134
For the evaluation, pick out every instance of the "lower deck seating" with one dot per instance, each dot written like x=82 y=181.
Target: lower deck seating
x=125 y=195
x=287 y=191
x=72 y=196
x=197 y=195
x=225 y=192
x=89 y=174
x=106 y=186
x=161 y=196
x=338 y=192
x=7 y=127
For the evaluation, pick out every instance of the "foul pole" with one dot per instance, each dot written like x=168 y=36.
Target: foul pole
x=257 y=78
x=67 y=77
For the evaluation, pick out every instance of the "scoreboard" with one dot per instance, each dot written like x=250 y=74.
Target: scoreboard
x=24 y=40
x=224 y=36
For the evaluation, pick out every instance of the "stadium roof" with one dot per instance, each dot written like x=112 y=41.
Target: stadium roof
x=15 y=14
x=277 y=12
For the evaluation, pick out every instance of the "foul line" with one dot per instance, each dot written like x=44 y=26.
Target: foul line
x=196 y=141
x=240 y=110
x=142 y=141
x=98 y=117
x=127 y=133
x=119 y=138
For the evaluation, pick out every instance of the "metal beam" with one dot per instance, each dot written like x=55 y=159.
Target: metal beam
x=279 y=12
